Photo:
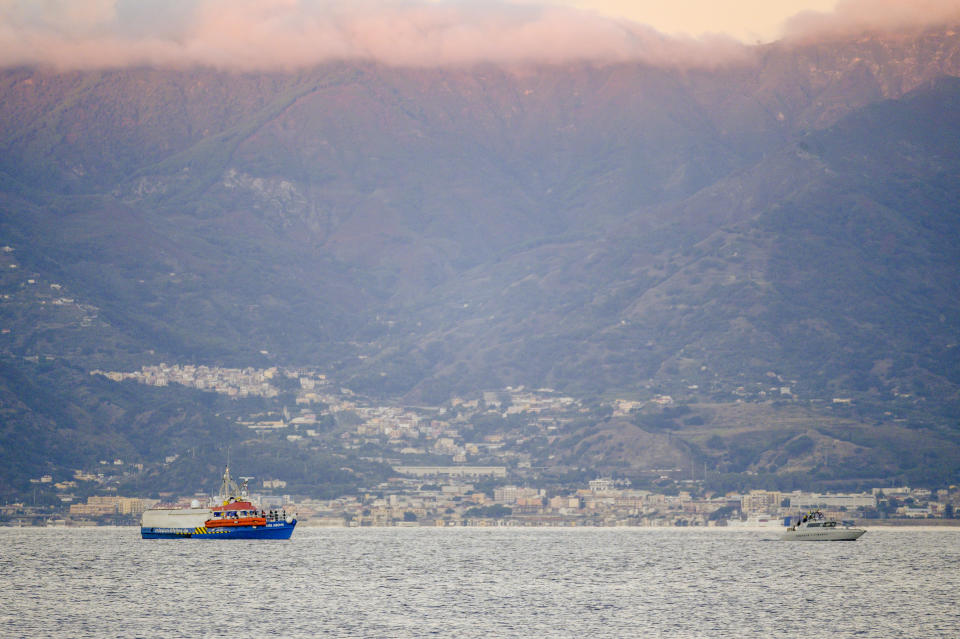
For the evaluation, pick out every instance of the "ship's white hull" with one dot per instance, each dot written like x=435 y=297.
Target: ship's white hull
x=175 y=517
x=823 y=534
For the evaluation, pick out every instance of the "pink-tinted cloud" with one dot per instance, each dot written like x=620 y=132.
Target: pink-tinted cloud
x=289 y=34
x=266 y=35
x=852 y=17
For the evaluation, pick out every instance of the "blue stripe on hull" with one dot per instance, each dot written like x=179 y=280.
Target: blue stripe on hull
x=165 y=533
x=270 y=531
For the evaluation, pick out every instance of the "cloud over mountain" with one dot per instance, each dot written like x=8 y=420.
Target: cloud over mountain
x=266 y=35
x=270 y=35
x=856 y=16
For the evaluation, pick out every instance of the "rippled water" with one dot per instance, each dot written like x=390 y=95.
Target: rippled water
x=507 y=582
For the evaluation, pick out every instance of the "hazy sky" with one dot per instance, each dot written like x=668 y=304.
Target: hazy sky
x=746 y=20
x=288 y=34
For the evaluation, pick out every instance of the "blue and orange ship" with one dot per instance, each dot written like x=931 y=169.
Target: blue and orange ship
x=232 y=517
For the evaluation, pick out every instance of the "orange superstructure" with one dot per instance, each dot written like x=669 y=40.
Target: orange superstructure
x=236 y=513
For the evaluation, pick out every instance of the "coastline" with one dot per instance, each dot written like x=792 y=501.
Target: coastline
x=322 y=523
x=913 y=523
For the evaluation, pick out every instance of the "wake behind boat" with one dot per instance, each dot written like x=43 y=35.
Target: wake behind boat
x=814 y=526
x=233 y=516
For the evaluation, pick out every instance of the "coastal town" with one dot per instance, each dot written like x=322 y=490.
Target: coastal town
x=471 y=462
x=438 y=496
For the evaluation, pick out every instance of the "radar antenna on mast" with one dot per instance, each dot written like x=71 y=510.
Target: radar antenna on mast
x=244 y=481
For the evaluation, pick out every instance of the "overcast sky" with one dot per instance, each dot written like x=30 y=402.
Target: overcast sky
x=290 y=34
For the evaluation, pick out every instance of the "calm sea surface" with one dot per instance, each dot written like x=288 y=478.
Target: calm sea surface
x=506 y=582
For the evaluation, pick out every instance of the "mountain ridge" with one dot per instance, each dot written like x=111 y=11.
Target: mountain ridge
x=617 y=230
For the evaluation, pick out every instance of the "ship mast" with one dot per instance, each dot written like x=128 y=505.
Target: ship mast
x=228 y=487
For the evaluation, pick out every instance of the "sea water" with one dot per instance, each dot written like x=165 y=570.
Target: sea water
x=474 y=582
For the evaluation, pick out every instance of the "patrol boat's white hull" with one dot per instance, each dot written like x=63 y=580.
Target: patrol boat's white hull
x=822 y=533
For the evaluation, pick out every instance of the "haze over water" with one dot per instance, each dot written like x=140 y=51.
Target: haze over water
x=416 y=582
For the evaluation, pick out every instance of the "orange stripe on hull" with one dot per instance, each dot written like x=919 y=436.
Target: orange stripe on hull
x=243 y=521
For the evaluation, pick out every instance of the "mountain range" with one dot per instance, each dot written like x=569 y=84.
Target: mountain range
x=773 y=236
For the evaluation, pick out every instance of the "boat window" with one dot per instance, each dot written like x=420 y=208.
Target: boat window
x=814 y=525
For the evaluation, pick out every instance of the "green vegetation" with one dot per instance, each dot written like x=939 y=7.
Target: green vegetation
x=58 y=419
x=496 y=511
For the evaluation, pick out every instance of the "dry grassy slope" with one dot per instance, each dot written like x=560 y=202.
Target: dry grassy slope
x=621 y=447
x=760 y=438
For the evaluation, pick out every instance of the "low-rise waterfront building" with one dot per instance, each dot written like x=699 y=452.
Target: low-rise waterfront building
x=452 y=471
